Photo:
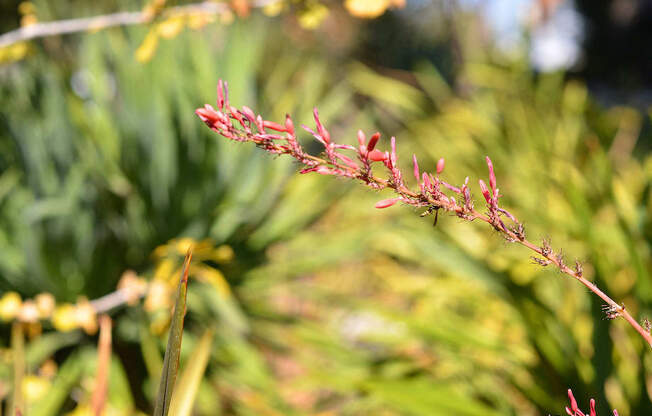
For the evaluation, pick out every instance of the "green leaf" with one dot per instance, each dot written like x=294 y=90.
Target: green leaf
x=184 y=395
x=171 y=360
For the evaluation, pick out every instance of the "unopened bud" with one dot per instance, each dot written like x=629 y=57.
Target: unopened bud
x=440 y=166
x=492 y=175
x=485 y=191
x=376 y=155
x=386 y=203
x=372 y=141
x=289 y=126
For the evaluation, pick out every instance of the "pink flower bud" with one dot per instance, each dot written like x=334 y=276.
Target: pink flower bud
x=440 y=166
x=273 y=126
x=362 y=147
x=248 y=112
x=372 y=141
x=320 y=128
x=426 y=180
x=416 y=166
x=207 y=115
x=485 y=191
x=289 y=126
x=226 y=93
x=492 y=175
x=362 y=140
x=323 y=170
x=220 y=94
x=377 y=156
x=386 y=203
x=392 y=155
x=236 y=114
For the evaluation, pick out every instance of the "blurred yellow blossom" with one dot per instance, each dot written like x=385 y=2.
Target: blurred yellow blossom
x=63 y=318
x=223 y=254
x=158 y=296
x=369 y=9
x=133 y=286
x=85 y=316
x=45 y=304
x=28 y=312
x=199 y=20
x=313 y=16
x=274 y=8
x=26 y=7
x=9 y=306
x=35 y=387
x=146 y=50
x=171 y=27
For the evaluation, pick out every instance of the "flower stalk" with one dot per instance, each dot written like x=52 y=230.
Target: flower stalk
x=432 y=194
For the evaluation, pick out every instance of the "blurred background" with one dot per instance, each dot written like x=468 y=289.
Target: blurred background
x=304 y=299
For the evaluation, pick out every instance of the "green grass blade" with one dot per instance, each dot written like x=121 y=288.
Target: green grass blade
x=184 y=395
x=171 y=360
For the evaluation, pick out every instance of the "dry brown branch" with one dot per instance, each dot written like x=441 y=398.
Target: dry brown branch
x=62 y=27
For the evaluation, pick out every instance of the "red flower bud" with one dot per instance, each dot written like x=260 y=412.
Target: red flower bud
x=372 y=141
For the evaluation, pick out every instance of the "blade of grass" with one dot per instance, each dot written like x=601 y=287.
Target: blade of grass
x=103 y=365
x=171 y=359
x=184 y=395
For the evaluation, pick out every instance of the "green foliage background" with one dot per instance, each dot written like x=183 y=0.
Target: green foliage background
x=332 y=307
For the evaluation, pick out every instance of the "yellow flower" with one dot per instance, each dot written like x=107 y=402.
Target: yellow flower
x=35 y=387
x=85 y=316
x=28 y=312
x=45 y=304
x=10 y=306
x=158 y=296
x=63 y=318
x=369 y=9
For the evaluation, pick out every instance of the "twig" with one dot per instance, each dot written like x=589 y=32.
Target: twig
x=112 y=300
x=245 y=126
x=98 y=400
x=61 y=27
